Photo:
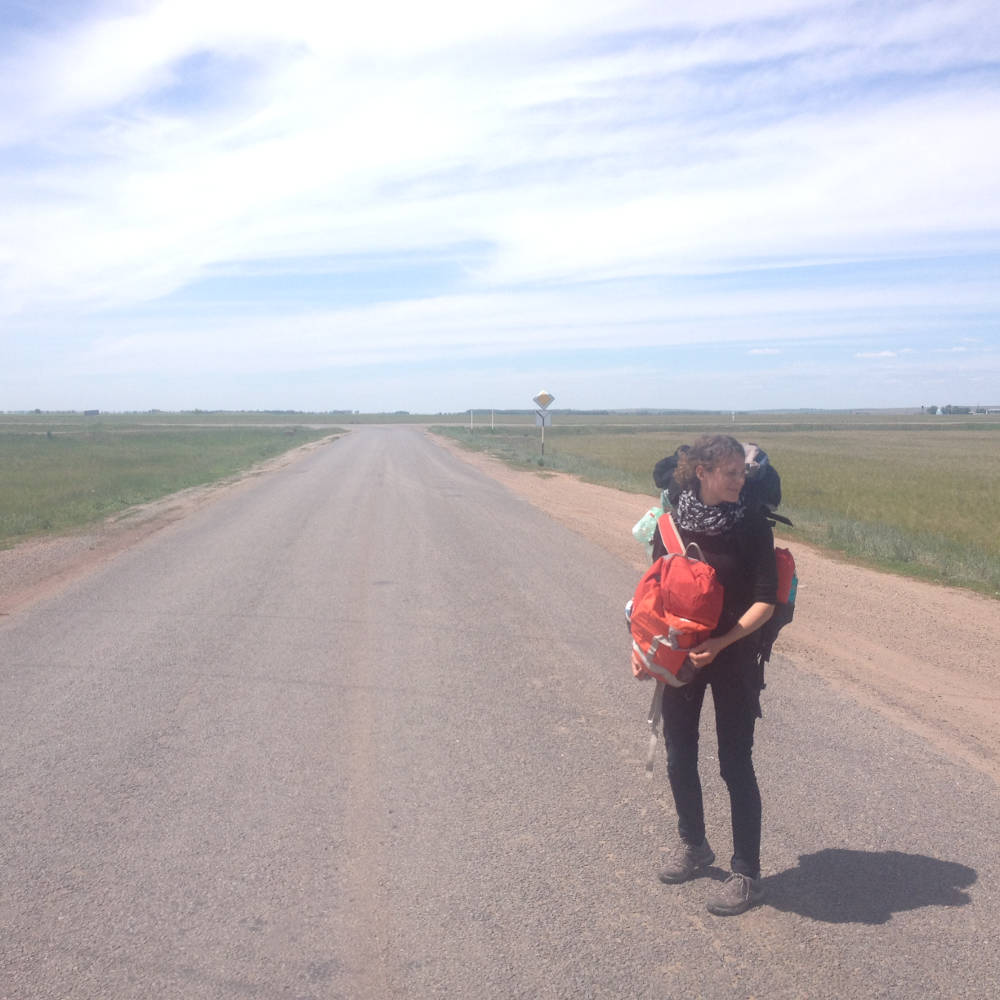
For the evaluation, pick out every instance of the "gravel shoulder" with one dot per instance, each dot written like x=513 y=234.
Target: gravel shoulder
x=922 y=655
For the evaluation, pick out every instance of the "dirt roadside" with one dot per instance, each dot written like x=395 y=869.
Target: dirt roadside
x=926 y=657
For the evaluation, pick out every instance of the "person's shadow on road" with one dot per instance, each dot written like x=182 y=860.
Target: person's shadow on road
x=867 y=887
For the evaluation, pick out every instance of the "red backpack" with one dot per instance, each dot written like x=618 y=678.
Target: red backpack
x=784 y=609
x=676 y=606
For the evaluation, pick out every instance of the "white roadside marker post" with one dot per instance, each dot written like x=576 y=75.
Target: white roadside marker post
x=543 y=400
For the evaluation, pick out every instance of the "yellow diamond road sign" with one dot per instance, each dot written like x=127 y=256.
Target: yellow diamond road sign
x=544 y=398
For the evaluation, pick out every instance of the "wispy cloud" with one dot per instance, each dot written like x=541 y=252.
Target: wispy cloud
x=632 y=174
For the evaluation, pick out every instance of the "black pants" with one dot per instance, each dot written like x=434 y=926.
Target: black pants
x=737 y=705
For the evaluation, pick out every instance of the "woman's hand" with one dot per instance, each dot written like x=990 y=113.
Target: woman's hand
x=703 y=654
x=755 y=616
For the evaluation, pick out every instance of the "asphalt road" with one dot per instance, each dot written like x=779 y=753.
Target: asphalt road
x=364 y=727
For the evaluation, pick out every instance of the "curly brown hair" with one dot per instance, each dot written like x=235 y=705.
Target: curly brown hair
x=709 y=451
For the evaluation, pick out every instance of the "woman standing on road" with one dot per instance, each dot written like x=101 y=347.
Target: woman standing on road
x=739 y=545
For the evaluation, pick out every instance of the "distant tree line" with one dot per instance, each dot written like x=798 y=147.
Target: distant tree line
x=958 y=410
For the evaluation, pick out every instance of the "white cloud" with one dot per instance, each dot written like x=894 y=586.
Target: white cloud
x=628 y=141
x=875 y=354
x=343 y=109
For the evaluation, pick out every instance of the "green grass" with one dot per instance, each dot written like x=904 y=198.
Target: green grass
x=910 y=496
x=63 y=475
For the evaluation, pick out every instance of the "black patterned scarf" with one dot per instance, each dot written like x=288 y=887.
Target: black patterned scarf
x=695 y=516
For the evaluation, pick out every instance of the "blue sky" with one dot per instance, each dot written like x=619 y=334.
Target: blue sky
x=728 y=204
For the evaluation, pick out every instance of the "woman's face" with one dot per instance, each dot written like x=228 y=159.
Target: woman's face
x=723 y=483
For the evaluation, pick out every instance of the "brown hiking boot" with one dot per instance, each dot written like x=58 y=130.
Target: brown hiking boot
x=685 y=860
x=736 y=895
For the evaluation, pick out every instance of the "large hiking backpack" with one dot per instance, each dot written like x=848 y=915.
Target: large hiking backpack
x=676 y=606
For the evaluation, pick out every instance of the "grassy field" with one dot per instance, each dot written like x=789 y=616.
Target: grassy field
x=914 y=495
x=69 y=471
x=911 y=493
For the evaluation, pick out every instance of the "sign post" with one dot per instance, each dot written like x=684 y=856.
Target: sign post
x=542 y=419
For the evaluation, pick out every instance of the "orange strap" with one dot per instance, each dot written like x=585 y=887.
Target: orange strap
x=669 y=534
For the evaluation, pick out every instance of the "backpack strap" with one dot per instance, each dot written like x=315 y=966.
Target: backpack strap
x=655 y=715
x=669 y=534
x=672 y=541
